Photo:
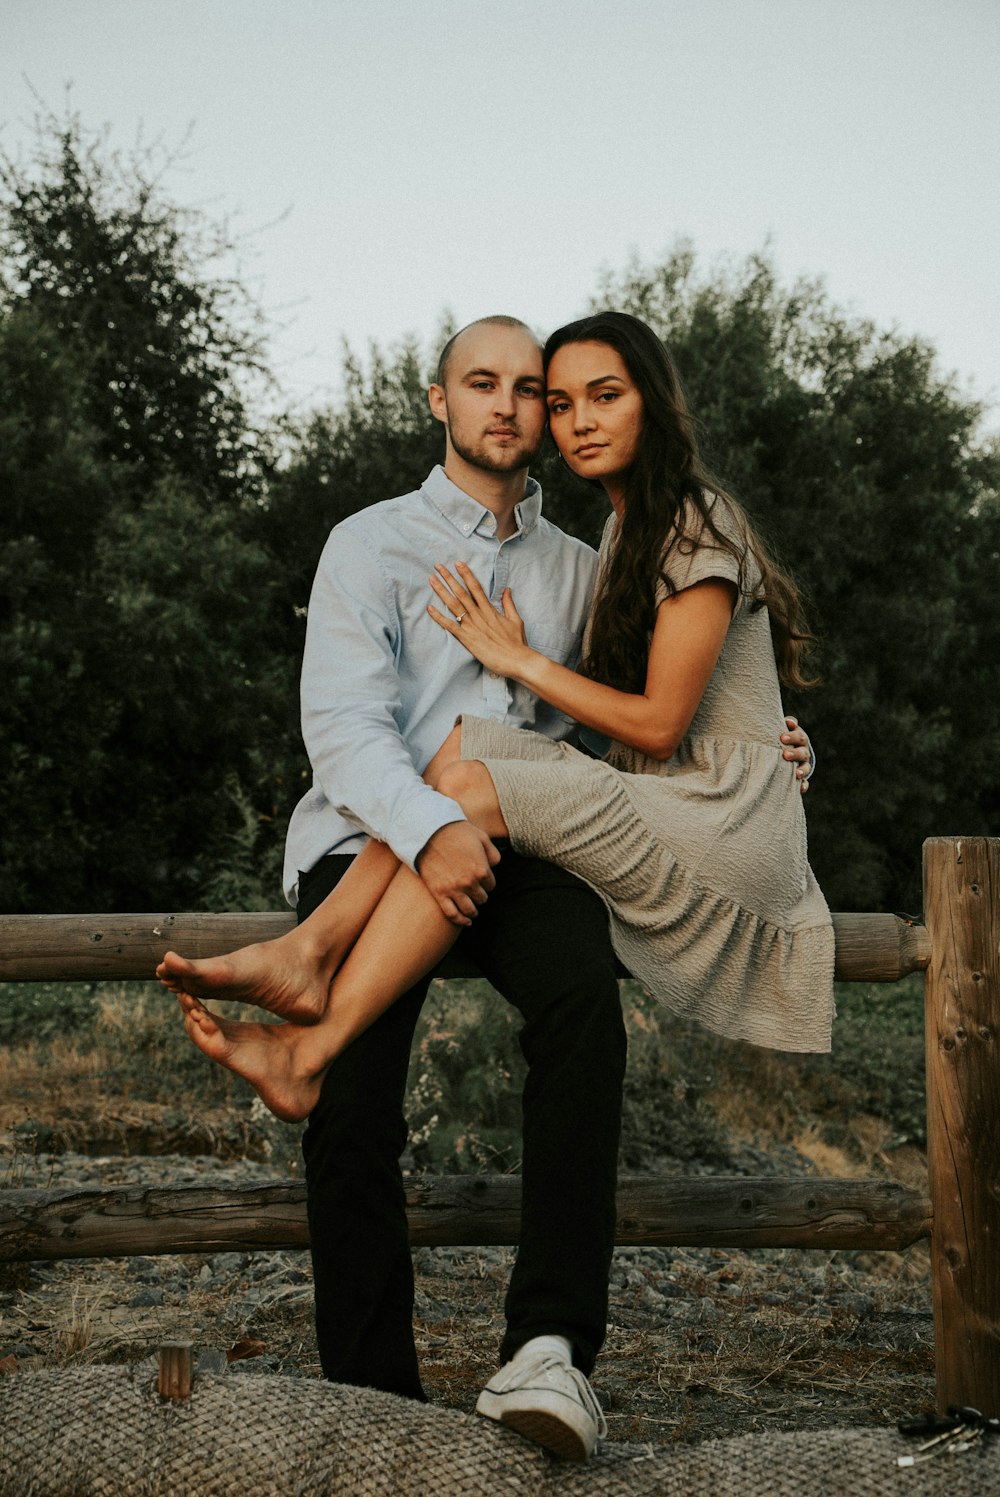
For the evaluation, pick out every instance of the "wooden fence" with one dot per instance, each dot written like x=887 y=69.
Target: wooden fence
x=958 y=949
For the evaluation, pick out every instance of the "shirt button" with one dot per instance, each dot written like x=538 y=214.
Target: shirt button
x=466 y=528
x=494 y=675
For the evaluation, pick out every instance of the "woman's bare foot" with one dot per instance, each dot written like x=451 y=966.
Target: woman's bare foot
x=282 y=976
x=274 y=1058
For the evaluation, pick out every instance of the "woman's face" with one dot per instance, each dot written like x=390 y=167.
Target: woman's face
x=595 y=411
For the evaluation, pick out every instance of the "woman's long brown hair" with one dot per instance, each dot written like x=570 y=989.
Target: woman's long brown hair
x=666 y=481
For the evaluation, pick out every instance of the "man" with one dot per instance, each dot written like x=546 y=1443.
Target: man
x=381 y=688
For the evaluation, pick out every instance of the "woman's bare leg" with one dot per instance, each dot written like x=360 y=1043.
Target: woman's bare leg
x=406 y=936
x=290 y=976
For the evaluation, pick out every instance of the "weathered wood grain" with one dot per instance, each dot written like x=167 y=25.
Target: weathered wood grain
x=962 y=894
x=175 y=1369
x=463 y=1210
x=959 y=948
x=91 y=948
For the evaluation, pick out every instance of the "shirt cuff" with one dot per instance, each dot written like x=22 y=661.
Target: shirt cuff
x=412 y=832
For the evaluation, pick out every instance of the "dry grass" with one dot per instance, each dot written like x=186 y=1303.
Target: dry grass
x=715 y=1361
x=700 y=1343
x=719 y=1360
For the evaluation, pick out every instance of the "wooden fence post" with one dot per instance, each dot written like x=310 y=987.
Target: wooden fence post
x=962 y=912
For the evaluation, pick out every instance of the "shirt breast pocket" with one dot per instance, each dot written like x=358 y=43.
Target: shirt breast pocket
x=562 y=646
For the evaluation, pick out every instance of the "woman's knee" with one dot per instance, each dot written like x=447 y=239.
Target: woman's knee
x=462 y=781
x=449 y=752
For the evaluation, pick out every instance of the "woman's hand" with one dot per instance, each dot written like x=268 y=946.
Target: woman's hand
x=798 y=749
x=496 y=639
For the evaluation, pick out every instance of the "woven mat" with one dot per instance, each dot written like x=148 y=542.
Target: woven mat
x=104 y=1432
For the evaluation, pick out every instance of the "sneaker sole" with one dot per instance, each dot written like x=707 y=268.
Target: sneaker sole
x=538 y=1425
x=547 y=1430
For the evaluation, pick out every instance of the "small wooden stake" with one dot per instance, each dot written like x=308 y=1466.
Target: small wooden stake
x=176 y=1371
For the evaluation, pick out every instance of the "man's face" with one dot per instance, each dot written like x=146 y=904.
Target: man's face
x=493 y=398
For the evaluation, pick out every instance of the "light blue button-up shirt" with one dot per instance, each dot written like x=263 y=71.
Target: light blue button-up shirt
x=382 y=684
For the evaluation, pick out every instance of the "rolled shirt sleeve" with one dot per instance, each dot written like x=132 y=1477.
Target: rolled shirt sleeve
x=352 y=707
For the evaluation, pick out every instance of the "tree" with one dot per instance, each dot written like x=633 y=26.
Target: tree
x=155 y=558
x=140 y=702
x=90 y=243
x=380 y=441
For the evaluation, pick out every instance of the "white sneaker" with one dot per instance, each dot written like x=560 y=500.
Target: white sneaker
x=548 y=1401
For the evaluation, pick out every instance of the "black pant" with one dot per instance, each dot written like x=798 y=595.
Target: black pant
x=542 y=940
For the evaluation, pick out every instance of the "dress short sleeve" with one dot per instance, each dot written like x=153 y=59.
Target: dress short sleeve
x=694 y=554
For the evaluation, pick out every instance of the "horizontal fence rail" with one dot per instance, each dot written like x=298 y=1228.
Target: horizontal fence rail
x=958 y=950
x=463 y=1210
x=93 y=948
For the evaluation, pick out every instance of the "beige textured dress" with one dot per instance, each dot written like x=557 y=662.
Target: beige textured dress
x=701 y=859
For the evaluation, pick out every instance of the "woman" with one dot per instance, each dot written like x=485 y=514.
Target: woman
x=691 y=829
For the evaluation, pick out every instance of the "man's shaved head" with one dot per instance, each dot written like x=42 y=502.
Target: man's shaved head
x=496 y=321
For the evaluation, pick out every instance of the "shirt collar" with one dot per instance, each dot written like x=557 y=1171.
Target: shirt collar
x=468 y=515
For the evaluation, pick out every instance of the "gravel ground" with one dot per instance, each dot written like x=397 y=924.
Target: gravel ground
x=701 y=1343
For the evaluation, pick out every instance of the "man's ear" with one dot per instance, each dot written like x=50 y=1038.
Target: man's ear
x=438 y=402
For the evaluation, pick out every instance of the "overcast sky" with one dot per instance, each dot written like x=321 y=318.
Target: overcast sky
x=480 y=158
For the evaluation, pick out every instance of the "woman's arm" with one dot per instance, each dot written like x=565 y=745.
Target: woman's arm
x=689 y=634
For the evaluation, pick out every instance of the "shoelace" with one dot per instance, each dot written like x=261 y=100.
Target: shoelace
x=589 y=1399
x=534 y=1371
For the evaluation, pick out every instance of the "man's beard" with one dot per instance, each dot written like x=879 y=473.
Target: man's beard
x=493 y=460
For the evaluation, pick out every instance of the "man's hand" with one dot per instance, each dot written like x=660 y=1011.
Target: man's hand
x=798 y=750
x=455 y=865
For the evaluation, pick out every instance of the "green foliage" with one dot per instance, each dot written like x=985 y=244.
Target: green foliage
x=133 y=590
x=36 y=1013
x=90 y=244
x=156 y=558
x=691 y=1099
x=247 y=862
x=381 y=441
x=466 y=1076
x=877 y=1066
x=666 y=1110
